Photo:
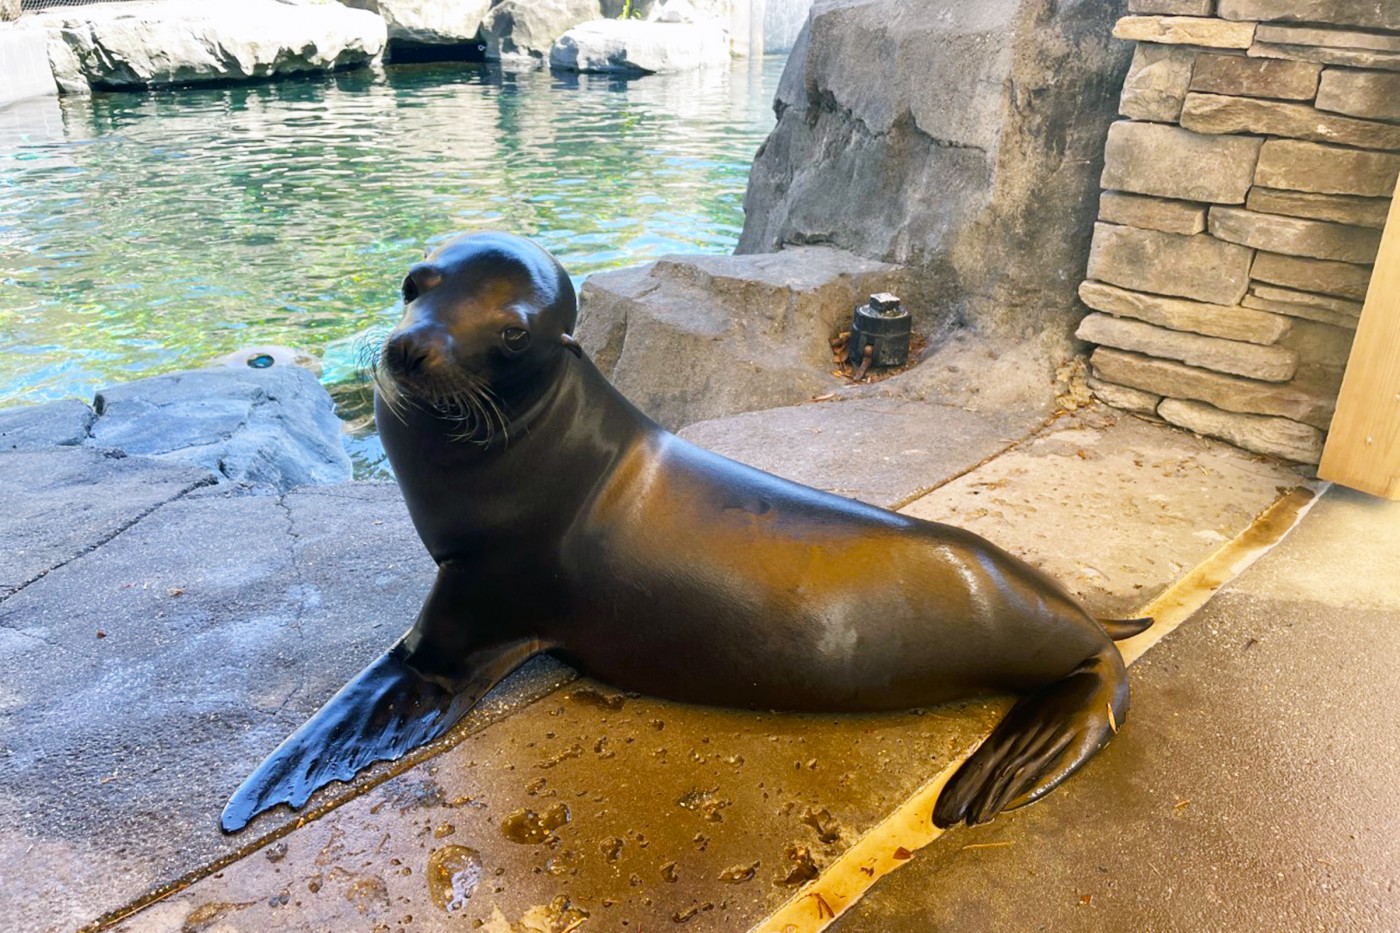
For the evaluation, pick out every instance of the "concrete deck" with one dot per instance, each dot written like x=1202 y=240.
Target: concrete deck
x=227 y=619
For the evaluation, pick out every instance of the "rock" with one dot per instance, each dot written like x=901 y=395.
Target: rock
x=171 y=42
x=1323 y=309
x=1300 y=166
x=1199 y=267
x=26 y=73
x=1312 y=275
x=1231 y=393
x=520 y=33
x=1351 y=58
x=1186 y=30
x=1336 y=208
x=1150 y=158
x=1327 y=38
x=1278 y=437
x=1255 y=77
x=1231 y=323
x=1371 y=94
x=428 y=22
x=637 y=47
x=55 y=424
x=1173 y=7
x=273 y=427
x=1123 y=397
x=1214 y=113
x=1116 y=207
x=1319 y=344
x=1294 y=236
x=1371 y=14
x=1157 y=82
x=688 y=338
x=1269 y=364
x=9 y=11
x=962 y=143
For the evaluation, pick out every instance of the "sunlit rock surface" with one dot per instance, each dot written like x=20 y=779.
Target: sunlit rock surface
x=170 y=42
x=634 y=46
x=963 y=138
x=428 y=22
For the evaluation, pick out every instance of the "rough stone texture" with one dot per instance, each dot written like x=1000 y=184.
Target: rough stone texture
x=1157 y=82
x=429 y=22
x=1230 y=393
x=1279 y=437
x=1373 y=95
x=171 y=42
x=1336 y=208
x=9 y=10
x=275 y=427
x=1295 y=236
x=1301 y=166
x=1328 y=38
x=1172 y=7
x=1215 y=113
x=1149 y=158
x=60 y=502
x=637 y=47
x=1123 y=397
x=1351 y=58
x=1320 y=345
x=1321 y=308
x=1231 y=323
x=1147 y=213
x=520 y=33
x=1255 y=77
x=1312 y=275
x=1371 y=14
x=959 y=143
x=1198 y=267
x=688 y=338
x=1268 y=364
x=1185 y=30
x=56 y=424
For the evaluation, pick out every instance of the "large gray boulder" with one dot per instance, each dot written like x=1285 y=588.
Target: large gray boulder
x=520 y=33
x=693 y=337
x=428 y=22
x=640 y=47
x=171 y=42
x=961 y=137
x=274 y=427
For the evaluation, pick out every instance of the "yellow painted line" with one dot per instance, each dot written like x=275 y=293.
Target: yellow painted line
x=893 y=842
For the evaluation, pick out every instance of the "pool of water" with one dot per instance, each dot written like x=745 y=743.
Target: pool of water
x=142 y=233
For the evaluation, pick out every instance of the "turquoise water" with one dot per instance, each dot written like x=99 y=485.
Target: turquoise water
x=142 y=233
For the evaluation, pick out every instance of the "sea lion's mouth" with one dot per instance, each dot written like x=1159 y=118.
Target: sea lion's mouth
x=450 y=393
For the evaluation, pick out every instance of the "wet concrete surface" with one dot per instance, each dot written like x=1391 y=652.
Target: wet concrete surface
x=191 y=704
x=1255 y=788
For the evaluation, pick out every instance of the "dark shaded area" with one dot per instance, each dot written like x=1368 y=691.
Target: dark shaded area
x=408 y=52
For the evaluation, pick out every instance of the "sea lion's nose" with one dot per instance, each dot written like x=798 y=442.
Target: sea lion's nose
x=409 y=352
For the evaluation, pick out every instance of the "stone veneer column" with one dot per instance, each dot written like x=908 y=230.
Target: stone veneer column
x=1244 y=196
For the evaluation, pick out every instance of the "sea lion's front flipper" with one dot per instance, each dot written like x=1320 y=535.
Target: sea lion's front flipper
x=389 y=708
x=1047 y=736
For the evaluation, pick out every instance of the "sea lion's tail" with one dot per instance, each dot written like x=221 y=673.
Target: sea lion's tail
x=1119 y=629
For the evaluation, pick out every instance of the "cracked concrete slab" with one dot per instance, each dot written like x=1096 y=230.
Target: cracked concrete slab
x=59 y=502
x=1254 y=789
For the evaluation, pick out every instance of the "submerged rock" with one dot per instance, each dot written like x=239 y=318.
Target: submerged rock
x=637 y=47
x=170 y=42
x=693 y=337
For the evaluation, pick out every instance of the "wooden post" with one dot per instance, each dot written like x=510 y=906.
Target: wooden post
x=1363 y=445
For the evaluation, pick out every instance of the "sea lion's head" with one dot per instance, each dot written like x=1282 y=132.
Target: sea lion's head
x=487 y=321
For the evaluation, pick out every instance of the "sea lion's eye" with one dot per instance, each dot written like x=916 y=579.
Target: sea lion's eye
x=516 y=338
x=410 y=289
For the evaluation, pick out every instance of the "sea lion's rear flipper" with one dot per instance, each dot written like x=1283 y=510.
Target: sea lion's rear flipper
x=389 y=708
x=1047 y=736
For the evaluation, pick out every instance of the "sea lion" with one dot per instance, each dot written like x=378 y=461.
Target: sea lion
x=562 y=519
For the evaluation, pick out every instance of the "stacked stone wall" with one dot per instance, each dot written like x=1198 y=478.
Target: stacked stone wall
x=1244 y=196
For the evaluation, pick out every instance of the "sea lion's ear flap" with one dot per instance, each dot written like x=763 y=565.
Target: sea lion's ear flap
x=571 y=344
